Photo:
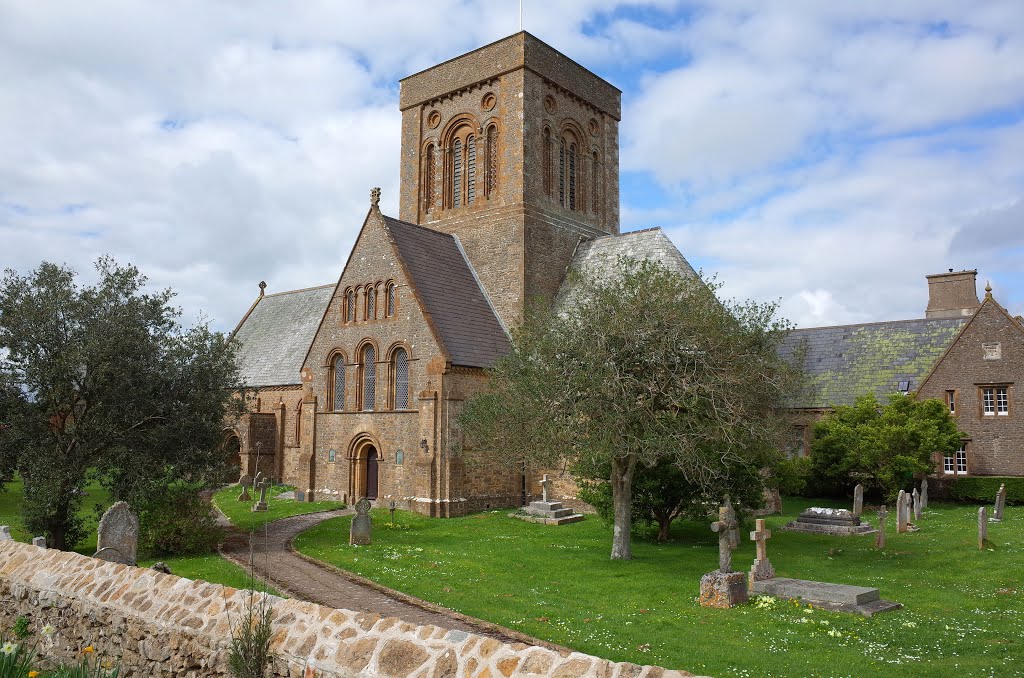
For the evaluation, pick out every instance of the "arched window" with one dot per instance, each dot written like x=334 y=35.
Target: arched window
x=428 y=178
x=338 y=383
x=594 y=183
x=492 y=161
x=561 y=172
x=371 y=303
x=389 y=311
x=350 y=305
x=547 y=162
x=461 y=184
x=400 y=379
x=568 y=171
x=368 y=375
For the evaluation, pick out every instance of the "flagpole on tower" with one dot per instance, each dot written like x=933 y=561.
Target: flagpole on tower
x=520 y=16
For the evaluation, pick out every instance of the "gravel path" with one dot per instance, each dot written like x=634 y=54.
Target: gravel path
x=309 y=580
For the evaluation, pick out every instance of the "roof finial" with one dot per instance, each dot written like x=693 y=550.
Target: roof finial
x=375 y=197
x=263 y=287
x=988 y=289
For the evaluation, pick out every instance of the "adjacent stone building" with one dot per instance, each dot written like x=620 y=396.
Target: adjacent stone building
x=967 y=353
x=509 y=179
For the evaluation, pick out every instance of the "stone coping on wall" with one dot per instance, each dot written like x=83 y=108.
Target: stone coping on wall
x=163 y=625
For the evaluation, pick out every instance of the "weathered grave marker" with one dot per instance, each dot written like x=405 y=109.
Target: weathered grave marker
x=982 y=528
x=262 y=486
x=762 y=567
x=359 y=532
x=118 y=535
x=39 y=541
x=902 y=514
x=924 y=493
x=997 y=514
x=917 y=505
x=858 y=500
x=880 y=537
x=723 y=588
x=5 y=533
x=245 y=482
x=734 y=534
x=545 y=488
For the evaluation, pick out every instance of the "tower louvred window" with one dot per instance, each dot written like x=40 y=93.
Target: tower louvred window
x=457 y=173
x=428 y=177
x=470 y=170
x=492 y=160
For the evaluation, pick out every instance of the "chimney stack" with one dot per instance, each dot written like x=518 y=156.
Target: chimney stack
x=953 y=294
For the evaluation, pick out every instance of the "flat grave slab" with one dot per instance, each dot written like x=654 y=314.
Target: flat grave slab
x=548 y=513
x=840 y=522
x=839 y=597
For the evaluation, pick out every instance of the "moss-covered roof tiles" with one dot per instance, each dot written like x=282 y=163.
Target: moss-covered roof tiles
x=847 y=361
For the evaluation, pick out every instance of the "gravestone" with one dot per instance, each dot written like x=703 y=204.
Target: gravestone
x=762 y=567
x=982 y=528
x=734 y=534
x=300 y=495
x=838 y=597
x=359 y=531
x=262 y=486
x=818 y=520
x=545 y=488
x=924 y=493
x=118 y=535
x=39 y=541
x=546 y=511
x=5 y=533
x=997 y=514
x=880 y=537
x=724 y=588
x=858 y=500
x=902 y=513
x=245 y=482
x=916 y=504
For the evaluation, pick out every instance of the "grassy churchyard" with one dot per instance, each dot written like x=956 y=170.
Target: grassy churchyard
x=242 y=516
x=963 y=608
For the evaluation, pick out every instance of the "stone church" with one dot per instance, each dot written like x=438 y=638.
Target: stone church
x=509 y=180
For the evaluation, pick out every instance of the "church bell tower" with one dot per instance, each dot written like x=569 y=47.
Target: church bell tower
x=513 y=148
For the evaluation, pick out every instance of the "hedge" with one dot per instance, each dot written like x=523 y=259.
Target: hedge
x=984 y=489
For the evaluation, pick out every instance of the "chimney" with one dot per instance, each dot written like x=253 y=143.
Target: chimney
x=952 y=294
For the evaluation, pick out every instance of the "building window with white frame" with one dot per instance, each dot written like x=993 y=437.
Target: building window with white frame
x=961 y=460
x=955 y=463
x=995 y=401
x=951 y=401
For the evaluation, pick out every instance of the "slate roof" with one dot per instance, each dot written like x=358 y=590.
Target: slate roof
x=846 y=361
x=599 y=257
x=274 y=338
x=450 y=294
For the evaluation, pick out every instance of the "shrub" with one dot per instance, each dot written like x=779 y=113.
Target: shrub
x=793 y=475
x=176 y=521
x=983 y=489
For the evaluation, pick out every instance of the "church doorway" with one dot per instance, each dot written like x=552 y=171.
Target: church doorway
x=364 y=470
x=232 y=448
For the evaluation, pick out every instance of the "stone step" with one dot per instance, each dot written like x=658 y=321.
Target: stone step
x=812 y=591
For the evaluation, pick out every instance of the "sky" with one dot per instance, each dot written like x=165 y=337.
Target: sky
x=826 y=155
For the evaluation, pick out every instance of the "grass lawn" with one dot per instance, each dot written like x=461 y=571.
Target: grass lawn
x=241 y=515
x=963 y=615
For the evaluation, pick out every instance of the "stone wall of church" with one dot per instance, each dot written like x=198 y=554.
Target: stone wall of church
x=283 y=403
x=995 y=444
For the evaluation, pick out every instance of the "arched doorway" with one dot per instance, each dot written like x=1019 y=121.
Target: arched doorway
x=232 y=450
x=364 y=469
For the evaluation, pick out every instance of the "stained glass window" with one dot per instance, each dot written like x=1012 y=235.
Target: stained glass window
x=371 y=303
x=339 y=383
x=350 y=306
x=369 y=369
x=391 y=300
x=401 y=376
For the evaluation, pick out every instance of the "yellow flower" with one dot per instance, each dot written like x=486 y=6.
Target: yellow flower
x=88 y=649
x=33 y=674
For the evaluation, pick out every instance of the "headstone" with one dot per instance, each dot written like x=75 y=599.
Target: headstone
x=762 y=567
x=917 y=505
x=902 y=514
x=858 y=500
x=819 y=520
x=5 y=533
x=262 y=486
x=245 y=482
x=734 y=533
x=39 y=541
x=982 y=527
x=997 y=515
x=359 y=531
x=838 y=597
x=724 y=588
x=300 y=495
x=924 y=493
x=772 y=502
x=880 y=537
x=545 y=488
x=118 y=535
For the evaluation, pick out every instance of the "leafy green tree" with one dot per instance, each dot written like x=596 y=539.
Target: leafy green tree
x=881 y=446
x=102 y=379
x=635 y=368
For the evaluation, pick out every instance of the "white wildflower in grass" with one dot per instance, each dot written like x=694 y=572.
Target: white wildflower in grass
x=835 y=633
x=8 y=648
x=764 y=602
x=910 y=624
x=49 y=630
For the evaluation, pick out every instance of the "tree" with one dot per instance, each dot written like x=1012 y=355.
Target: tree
x=102 y=379
x=636 y=367
x=880 y=446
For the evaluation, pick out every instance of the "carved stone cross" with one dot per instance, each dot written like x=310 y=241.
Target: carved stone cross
x=262 y=486
x=245 y=482
x=724 y=527
x=760 y=536
x=545 y=488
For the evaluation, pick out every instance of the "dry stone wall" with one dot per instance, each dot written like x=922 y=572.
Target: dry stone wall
x=162 y=625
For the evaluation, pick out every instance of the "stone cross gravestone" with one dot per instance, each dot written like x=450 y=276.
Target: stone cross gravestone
x=917 y=505
x=924 y=493
x=997 y=514
x=5 y=533
x=724 y=527
x=902 y=513
x=723 y=588
x=982 y=528
x=762 y=567
x=734 y=533
x=118 y=535
x=39 y=541
x=245 y=482
x=858 y=500
x=880 y=537
x=262 y=486
x=359 y=531
x=545 y=488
